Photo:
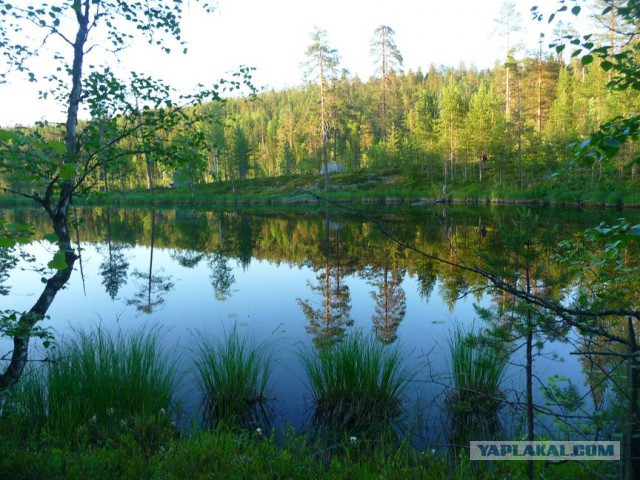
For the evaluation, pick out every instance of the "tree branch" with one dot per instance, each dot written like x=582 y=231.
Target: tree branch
x=566 y=314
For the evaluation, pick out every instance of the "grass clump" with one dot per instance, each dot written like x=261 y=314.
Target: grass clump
x=100 y=385
x=233 y=374
x=478 y=367
x=357 y=384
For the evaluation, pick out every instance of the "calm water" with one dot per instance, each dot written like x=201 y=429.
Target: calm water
x=292 y=279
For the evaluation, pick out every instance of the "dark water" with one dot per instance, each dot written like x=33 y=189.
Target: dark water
x=296 y=278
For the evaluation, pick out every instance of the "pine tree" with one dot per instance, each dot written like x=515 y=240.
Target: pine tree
x=452 y=112
x=508 y=25
x=388 y=61
x=322 y=67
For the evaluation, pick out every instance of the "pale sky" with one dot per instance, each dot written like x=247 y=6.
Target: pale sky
x=273 y=35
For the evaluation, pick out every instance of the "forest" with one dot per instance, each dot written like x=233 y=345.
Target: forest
x=563 y=114
x=513 y=124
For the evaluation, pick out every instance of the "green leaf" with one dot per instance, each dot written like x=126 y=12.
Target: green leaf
x=67 y=171
x=7 y=242
x=51 y=237
x=611 y=145
x=606 y=65
x=57 y=146
x=587 y=59
x=576 y=10
x=6 y=136
x=58 y=262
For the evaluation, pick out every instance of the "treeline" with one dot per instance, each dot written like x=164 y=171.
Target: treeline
x=451 y=125
x=510 y=125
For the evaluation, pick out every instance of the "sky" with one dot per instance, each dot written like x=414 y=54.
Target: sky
x=273 y=35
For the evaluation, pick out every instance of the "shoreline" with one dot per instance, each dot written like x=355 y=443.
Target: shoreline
x=167 y=197
x=240 y=200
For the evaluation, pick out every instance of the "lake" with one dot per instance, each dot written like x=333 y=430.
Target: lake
x=299 y=277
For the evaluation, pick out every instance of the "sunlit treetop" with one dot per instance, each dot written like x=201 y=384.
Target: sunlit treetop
x=29 y=29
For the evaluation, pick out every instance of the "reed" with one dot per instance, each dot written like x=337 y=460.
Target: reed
x=478 y=367
x=357 y=384
x=233 y=374
x=97 y=382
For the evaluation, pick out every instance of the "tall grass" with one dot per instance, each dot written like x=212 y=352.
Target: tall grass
x=99 y=381
x=357 y=384
x=478 y=367
x=233 y=374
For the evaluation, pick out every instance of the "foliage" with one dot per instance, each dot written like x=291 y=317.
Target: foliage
x=466 y=119
x=227 y=454
x=53 y=164
x=388 y=61
x=138 y=125
x=322 y=66
x=120 y=110
x=617 y=57
x=608 y=276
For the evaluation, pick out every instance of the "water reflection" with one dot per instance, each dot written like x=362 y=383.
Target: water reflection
x=152 y=285
x=389 y=296
x=114 y=269
x=221 y=275
x=312 y=278
x=328 y=321
x=8 y=261
x=427 y=277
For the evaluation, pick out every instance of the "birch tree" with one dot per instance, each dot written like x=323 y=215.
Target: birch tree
x=70 y=32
